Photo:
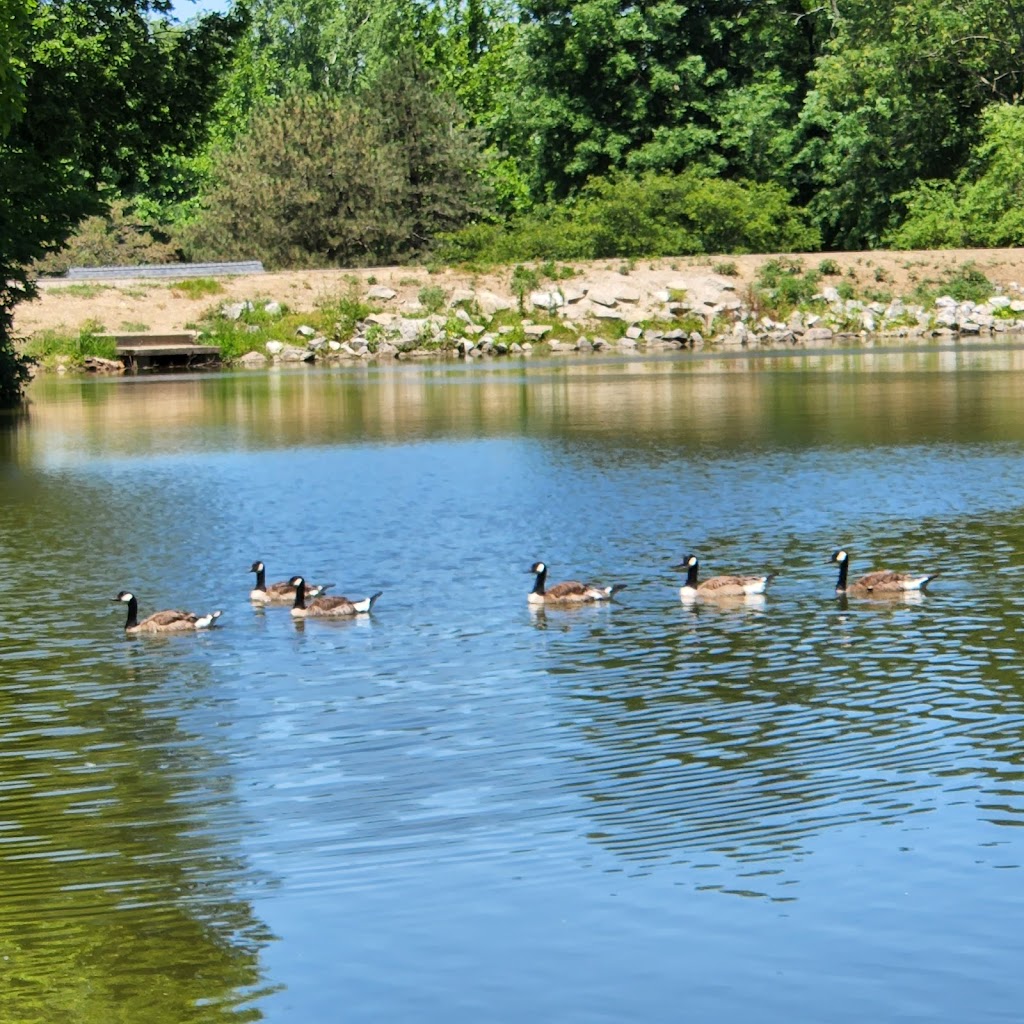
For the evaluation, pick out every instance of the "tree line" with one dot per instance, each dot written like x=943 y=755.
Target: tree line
x=354 y=132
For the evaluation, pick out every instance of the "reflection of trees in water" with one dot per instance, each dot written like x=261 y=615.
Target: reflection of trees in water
x=13 y=423
x=720 y=734
x=119 y=876
x=836 y=398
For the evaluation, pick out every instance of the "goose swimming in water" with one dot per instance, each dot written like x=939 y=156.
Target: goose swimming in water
x=279 y=593
x=569 y=592
x=718 y=586
x=163 y=622
x=328 y=607
x=882 y=581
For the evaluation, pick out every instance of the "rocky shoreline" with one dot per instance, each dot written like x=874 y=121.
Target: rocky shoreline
x=726 y=323
x=411 y=313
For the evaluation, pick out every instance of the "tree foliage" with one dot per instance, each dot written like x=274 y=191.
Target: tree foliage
x=333 y=180
x=14 y=22
x=897 y=98
x=609 y=84
x=648 y=215
x=984 y=206
x=107 y=93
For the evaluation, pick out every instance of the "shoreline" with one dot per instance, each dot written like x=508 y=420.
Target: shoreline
x=632 y=309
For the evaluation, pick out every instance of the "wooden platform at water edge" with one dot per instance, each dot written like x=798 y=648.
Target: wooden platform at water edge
x=163 y=351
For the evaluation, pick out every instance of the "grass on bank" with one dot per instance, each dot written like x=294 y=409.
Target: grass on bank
x=783 y=285
x=196 y=287
x=48 y=348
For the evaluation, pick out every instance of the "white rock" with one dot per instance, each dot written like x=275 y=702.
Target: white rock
x=490 y=303
x=546 y=300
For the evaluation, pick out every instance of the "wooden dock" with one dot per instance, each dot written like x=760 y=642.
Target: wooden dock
x=163 y=351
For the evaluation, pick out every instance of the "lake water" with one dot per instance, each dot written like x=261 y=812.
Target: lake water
x=461 y=811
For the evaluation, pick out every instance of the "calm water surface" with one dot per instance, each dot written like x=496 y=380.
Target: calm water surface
x=462 y=811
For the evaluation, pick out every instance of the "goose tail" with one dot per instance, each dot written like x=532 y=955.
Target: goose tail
x=367 y=603
x=207 y=620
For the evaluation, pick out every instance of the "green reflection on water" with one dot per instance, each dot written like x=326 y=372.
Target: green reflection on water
x=120 y=884
x=842 y=398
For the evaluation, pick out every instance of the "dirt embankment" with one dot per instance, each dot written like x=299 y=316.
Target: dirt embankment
x=158 y=306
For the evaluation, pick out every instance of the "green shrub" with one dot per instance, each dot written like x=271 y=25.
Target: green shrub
x=782 y=286
x=982 y=207
x=654 y=215
x=965 y=284
x=829 y=268
x=523 y=280
x=432 y=298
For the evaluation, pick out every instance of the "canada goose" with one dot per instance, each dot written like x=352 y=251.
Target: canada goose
x=278 y=593
x=331 y=607
x=163 y=622
x=718 y=586
x=882 y=581
x=569 y=592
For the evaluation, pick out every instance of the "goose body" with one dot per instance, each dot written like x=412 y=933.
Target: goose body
x=328 y=607
x=569 y=592
x=165 y=621
x=279 y=593
x=882 y=581
x=718 y=586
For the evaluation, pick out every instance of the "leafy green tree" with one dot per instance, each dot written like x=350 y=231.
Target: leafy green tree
x=897 y=98
x=323 y=45
x=320 y=179
x=985 y=205
x=608 y=84
x=14 y=21
x=101 y=94
x=108 y=92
